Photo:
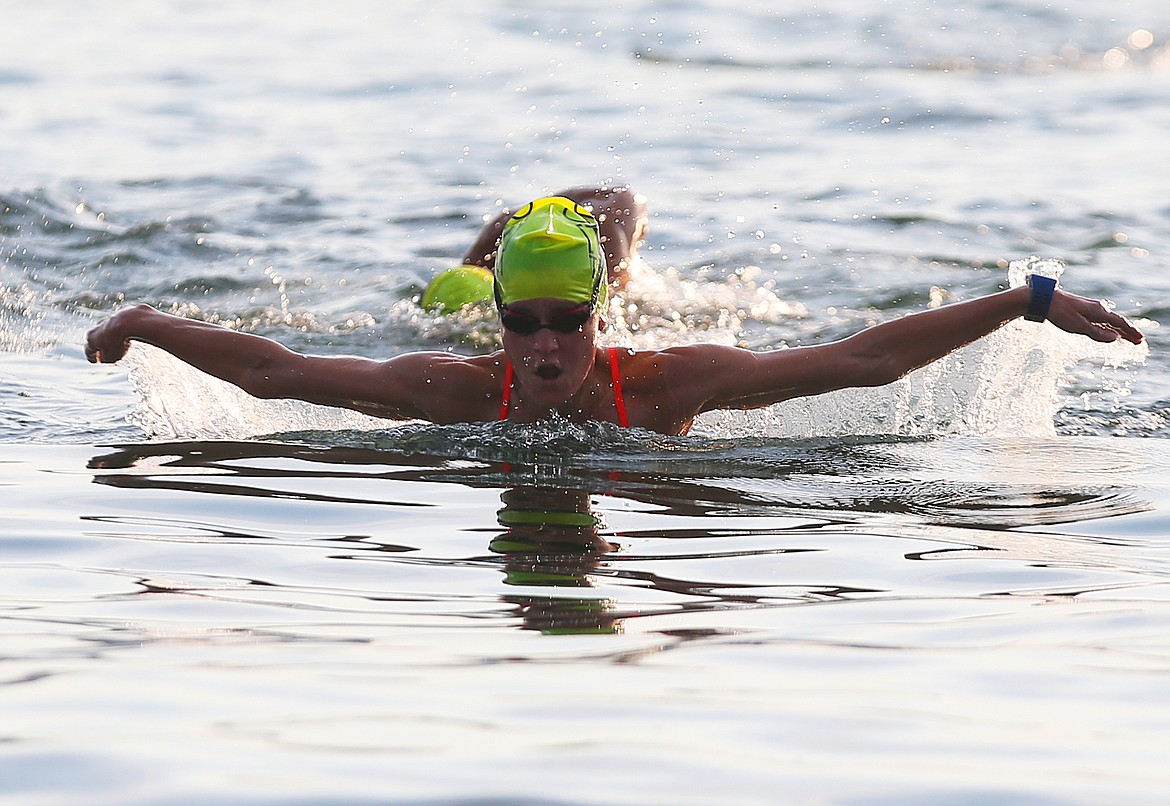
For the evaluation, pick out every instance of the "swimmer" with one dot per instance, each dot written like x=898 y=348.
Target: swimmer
x=550 y=285
x=621 y=218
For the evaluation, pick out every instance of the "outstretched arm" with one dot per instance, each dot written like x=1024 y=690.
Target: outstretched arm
x=243 y=359
x=886 y=352
x=890 y=350
x=415 y=385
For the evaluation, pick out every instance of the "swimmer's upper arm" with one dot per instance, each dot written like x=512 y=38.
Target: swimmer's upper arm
x=873 y=357
x=734 y=378
x=430 y=386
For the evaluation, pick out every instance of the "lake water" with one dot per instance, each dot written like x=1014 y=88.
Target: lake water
x=952 y=590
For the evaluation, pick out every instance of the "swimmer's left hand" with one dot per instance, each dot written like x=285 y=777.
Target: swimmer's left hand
x=107 y=343
x=1092 y=318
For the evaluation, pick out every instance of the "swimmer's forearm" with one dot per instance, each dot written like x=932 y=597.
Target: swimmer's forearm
x=892 y=349
x=896 y=348
x=246 y=360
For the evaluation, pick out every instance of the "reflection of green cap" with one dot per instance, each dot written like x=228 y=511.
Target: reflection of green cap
x=454 y=288
x=509 y=516
x=551 y=248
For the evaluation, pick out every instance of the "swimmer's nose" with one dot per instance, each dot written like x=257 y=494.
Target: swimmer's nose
x=545 y=340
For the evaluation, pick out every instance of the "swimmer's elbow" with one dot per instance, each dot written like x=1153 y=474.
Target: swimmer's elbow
x=272 y=377
x=879 y=370
x=260 y=383
x=886 y=372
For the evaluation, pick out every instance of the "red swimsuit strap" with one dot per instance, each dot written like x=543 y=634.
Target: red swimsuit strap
x=508 y=373
x=619 y=400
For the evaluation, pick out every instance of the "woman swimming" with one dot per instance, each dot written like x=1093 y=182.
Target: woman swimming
x=550 y=282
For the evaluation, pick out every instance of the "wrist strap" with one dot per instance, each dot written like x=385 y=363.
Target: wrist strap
x=1043 y=289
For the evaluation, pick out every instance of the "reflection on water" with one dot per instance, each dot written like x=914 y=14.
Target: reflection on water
x=435 y=600
x=723 y=509
x=553 y=539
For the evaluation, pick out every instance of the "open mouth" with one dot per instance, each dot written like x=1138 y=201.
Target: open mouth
x=548 y=372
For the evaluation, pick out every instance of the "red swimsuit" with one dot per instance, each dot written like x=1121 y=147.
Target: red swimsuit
x=619 y=402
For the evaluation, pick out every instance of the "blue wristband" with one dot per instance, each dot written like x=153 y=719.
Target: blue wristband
x=1043 y=289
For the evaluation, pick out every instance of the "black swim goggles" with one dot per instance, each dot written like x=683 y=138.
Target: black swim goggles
x=570 y=321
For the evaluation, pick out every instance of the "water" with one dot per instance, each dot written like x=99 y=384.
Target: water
x=950 y=590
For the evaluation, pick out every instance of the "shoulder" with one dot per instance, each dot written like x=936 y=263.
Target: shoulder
x=667 y=388
x=439 y=364
x=443 y=370
x=447 y=388
x=691 y=379
x=694 y=361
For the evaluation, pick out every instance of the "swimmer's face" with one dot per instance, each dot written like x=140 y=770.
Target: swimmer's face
x=551 y=344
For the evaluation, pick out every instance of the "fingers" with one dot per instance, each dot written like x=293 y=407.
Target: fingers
x=99 y=355
x=1092 y=318
x=1110 y=326
x=96 y=356
x=92 y=354
x=1126 y=330
x=1102 y=333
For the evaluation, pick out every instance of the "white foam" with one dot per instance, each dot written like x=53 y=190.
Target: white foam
x=661 y=308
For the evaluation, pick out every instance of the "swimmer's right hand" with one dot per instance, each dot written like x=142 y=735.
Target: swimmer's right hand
x=107 y=343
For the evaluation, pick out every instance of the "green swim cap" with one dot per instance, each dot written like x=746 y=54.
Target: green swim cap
x=551 y=248
x=454 y=288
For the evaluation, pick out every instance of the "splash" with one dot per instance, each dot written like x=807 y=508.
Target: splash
x=661 y=308
x=21 y=327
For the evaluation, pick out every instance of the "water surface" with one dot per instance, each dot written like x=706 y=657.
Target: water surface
x=953 y=589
